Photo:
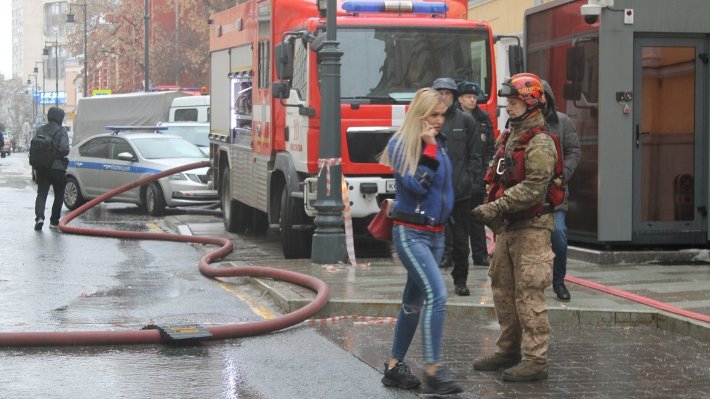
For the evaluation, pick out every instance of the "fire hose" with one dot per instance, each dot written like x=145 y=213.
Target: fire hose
x=184 y=333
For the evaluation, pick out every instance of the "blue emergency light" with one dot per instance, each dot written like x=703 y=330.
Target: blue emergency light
x=418 y=7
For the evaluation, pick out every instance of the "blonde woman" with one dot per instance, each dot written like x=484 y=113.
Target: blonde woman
x=417 y=155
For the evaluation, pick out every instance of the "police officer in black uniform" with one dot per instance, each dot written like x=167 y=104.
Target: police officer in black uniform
x=470 y=94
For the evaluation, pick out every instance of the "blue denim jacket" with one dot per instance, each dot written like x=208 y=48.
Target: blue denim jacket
x=428 y=194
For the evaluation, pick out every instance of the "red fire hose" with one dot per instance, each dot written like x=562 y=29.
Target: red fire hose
x=155 y=334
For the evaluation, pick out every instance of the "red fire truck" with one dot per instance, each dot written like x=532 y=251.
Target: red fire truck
x=265 y=130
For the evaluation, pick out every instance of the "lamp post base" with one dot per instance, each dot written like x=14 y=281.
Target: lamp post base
x=328 y=245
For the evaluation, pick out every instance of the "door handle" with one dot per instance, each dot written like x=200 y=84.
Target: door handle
x=638 y=135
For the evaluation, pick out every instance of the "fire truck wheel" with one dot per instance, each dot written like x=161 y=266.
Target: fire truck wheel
x=296 y=243
x=259 y=222
x=235 y=212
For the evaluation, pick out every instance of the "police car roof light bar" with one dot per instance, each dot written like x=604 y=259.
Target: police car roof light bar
x=118 y=129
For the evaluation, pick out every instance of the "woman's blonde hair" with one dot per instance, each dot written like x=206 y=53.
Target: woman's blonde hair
x=408 y=141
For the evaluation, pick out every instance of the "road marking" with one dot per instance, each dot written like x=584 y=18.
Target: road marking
x=258 y=309
x=154 y=228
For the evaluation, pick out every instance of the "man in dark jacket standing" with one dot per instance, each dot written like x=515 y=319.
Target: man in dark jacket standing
x=469 y=95
x=560 y=124
x=55 y=175
x=464 y=149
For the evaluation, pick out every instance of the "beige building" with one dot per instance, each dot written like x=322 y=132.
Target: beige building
x=39 y=53
x=506 y=19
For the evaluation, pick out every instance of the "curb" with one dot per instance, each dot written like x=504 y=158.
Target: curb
x=685 y=256
x=279 y=293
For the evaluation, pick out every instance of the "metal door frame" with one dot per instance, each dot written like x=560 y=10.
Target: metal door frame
x=676 y=232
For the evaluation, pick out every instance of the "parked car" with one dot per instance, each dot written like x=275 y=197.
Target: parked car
x=6 y=149
x=103 y=162
x=198 y=133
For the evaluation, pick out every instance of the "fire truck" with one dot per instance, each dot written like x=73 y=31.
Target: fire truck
x=265 y=128
x=634 y=78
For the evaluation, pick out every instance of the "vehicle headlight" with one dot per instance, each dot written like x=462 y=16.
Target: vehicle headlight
x=195 y=178
x=177 y=176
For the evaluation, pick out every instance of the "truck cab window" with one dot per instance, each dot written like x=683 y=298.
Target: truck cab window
x=300 y=70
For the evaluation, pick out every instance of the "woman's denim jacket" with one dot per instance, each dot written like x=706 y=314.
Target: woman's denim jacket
x=427 y=196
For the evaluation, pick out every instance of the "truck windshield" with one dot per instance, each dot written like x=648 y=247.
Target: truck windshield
x=389 y=64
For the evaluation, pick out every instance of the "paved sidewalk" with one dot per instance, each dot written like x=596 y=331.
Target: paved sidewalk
x=602 y=345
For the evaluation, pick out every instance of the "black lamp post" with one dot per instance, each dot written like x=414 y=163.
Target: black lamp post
x=146 y=27
x=70 y=19
x=329 y=238
x=45 y=51
x=34 y=100
x=41 y=97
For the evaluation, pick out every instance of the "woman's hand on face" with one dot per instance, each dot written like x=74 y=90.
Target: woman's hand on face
x=428 y=133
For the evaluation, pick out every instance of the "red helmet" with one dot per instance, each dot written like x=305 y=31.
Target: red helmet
x=526 y=87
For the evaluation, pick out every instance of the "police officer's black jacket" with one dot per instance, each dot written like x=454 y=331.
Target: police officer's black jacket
x=464 y=149
x=488 y=146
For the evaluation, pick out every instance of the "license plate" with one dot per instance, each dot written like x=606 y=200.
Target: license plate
x=390 y=186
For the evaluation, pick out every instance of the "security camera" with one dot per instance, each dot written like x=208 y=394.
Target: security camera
x=593 y=9
x=591 y=12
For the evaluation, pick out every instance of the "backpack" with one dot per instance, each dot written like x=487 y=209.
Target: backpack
x=42 y=152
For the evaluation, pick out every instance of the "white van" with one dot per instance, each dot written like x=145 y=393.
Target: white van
x=190 y=109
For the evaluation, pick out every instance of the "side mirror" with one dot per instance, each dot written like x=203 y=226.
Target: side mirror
x=575 y=64
x=126 y=156
x=280 y=90
x=284 y=60
x=516 y=62
x=572 y=91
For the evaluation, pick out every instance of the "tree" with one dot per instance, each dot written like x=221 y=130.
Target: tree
x=16 y=107
x=179 y=52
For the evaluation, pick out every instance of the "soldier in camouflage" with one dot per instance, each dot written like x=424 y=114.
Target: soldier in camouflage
x=517 y=212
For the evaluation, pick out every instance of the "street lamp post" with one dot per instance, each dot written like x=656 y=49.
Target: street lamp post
x=70 y=19
x=146 y=53
x=56 y=67
x=34 y=99
x=328 y=244
x=41 y=98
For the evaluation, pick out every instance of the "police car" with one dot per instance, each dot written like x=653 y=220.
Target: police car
x=103 y=162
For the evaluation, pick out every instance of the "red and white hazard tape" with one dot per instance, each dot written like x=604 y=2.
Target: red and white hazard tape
x=348 y=221
x=326 y=163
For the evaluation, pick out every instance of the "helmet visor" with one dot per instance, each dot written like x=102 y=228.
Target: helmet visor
x=507 y=90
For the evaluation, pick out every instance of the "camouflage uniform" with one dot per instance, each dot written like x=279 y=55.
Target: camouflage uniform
x=521 y=267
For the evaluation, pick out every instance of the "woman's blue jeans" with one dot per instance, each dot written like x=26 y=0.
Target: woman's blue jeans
x=424 y=295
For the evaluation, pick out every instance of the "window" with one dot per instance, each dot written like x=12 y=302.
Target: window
x=186 y=115
x=162 y=147
x=118 y=146
x=394 y=62
x=300 y=70
x=55 y=62
x=96 y=148
x=55 y=18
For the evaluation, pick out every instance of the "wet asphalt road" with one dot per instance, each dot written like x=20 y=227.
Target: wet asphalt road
x=51 y=281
